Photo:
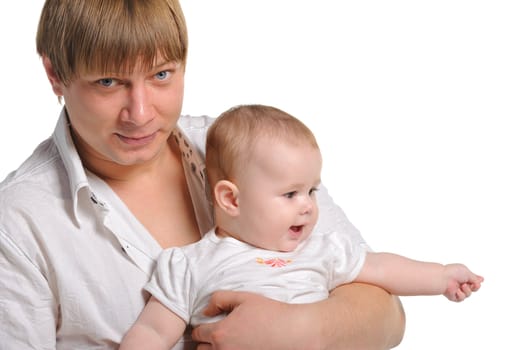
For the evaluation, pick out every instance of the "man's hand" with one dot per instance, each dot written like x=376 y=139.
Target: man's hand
x=355 y=316
x=253 y=322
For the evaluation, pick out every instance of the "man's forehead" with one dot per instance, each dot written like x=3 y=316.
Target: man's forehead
x=131 y=66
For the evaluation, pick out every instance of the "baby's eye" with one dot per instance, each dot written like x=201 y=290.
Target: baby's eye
x=312 y=191
x=290 y=194
x=106 y=82
x=162 y=75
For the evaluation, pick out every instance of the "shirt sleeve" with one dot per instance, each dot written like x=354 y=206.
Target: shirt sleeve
x=347 y=244
x=171 y=282
x=333 y=219
x=28 y=311
x=347 y=259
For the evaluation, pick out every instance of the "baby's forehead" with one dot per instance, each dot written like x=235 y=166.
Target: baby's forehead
x=281 y=148
x=285 y=141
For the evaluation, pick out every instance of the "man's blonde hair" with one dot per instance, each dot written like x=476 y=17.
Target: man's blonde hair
x=231 y=138
x=110 y=36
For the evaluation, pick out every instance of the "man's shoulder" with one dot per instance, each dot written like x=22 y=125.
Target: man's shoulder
x=195 y=123
x=39 y=175
x=38 y=164
x=195 y=128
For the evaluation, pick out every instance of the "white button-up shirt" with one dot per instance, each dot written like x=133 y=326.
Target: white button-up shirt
x=74 y=259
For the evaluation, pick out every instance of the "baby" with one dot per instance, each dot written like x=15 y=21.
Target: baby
x=264 y=169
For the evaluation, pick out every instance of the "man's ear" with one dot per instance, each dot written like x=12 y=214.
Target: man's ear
x=226 y=196
x=56 y=85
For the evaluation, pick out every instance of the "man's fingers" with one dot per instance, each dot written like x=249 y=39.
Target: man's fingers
x=204 y=347
x=202 y=335
x=217 y=334
x=220 y=302
x=224 y=302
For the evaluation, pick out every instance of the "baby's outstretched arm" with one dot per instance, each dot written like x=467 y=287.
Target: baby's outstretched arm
x=403 y=276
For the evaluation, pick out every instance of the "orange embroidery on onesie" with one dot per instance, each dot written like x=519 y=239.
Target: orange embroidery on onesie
x=273 y=262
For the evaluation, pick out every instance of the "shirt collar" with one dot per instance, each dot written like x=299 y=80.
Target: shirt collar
x=71 y=159
x=193 y=162
x=195 y=171
x=191 y=157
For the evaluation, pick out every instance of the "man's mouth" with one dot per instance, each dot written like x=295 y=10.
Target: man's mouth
x=137 y=141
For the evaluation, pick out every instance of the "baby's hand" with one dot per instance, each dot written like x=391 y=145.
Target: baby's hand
x=461 y=282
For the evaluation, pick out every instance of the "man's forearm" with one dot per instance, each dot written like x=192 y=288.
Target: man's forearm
x=354 y=317
x=362 y=317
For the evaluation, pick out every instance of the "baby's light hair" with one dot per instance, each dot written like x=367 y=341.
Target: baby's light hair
x=231 y=138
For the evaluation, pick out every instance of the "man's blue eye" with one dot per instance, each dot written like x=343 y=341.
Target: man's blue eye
x=106 y=82
x=162 y=75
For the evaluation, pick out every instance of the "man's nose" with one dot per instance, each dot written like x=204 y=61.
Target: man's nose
x=138 y=110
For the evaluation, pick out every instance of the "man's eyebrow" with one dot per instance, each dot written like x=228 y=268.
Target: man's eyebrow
x=164 y=63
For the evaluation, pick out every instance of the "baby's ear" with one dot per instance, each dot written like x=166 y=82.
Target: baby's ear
x=226 y=196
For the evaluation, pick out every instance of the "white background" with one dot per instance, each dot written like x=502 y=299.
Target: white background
x=418 y=106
